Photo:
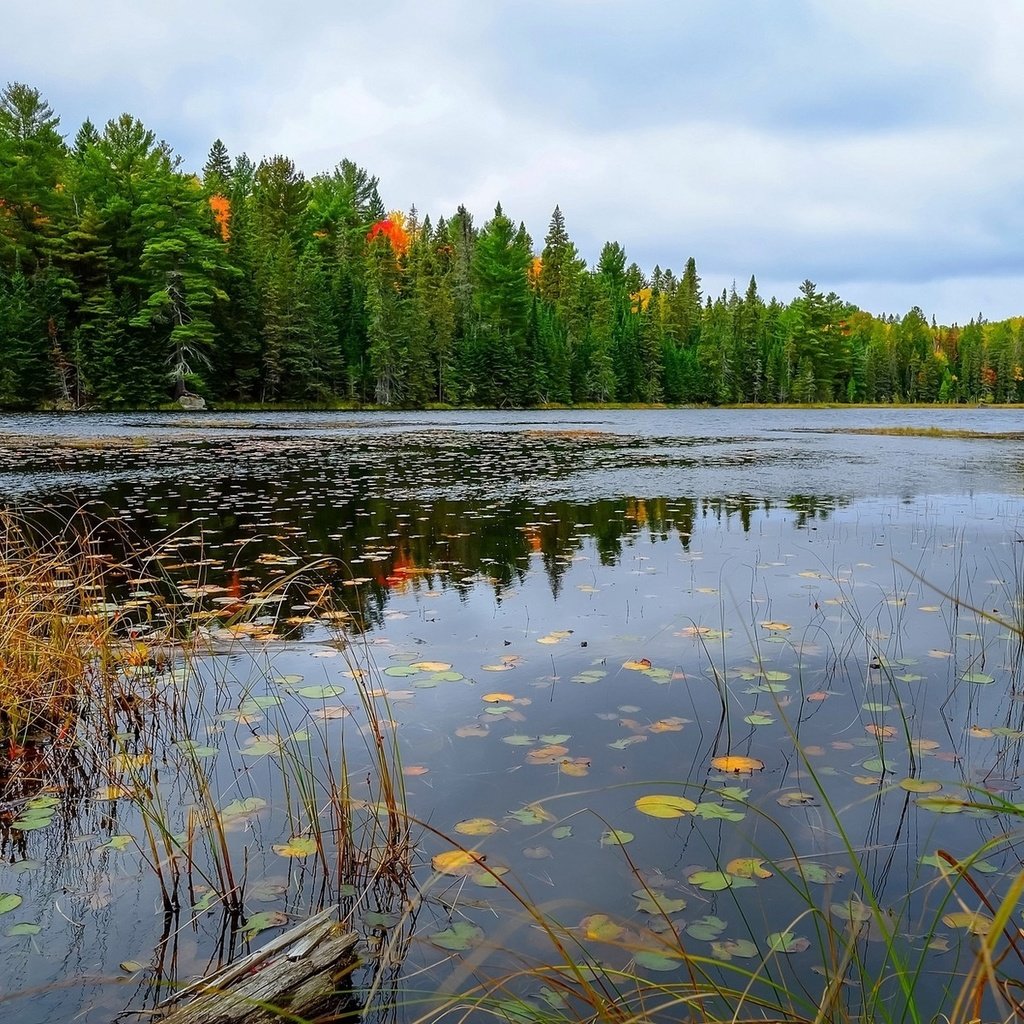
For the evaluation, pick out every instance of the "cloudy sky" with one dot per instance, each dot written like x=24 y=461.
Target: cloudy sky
x=874 y=147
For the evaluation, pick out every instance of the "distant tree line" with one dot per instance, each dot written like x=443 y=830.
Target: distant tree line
x=126 y=281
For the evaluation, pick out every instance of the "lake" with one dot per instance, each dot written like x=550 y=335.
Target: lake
x=562 y=621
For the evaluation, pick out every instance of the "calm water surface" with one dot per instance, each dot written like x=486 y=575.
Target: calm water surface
x=566 y=612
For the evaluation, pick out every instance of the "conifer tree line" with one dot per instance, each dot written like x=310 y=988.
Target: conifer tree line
x=127 y=281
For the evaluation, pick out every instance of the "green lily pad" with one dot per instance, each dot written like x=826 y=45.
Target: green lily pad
x=39 y=803
x=195 y=748
x=656 y=902
x=260 y=703
x=721 y=812
x=812 y=871
x=654 y=961
x=530 y=815
x=29 y=821
x=261 y=747
x=22 y=928
x=712 y=881
x=941 y=804
x=796 y=798
x=759 y=718
x=787 y=942
x=118 y=843
x=379 y=919
x=320 y=692
x=401 y=671
x=659 y=675
x=9 y=901
x=297 y=846
x=243 y=808
x=627 y=741
x=562 y=832
x=706 y=929
x=460 y=936
x=726 y=949
x=979 y=678
x=975 y=922
x=734 y=792
x=852 y=910
x=616 y=837
x=265 y=919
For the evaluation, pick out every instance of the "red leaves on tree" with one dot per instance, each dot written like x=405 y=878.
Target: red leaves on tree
x=392 y=228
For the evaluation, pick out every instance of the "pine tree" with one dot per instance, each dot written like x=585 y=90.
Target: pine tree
x=217 y=169
x=502 y=297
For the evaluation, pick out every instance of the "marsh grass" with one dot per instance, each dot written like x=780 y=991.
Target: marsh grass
x=58 y=641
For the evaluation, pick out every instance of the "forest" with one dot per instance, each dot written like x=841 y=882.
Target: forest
x=128 y=281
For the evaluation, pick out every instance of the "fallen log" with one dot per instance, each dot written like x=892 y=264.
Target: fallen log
x=296 y=975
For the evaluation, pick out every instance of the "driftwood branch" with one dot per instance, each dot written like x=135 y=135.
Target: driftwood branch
x=293 y=977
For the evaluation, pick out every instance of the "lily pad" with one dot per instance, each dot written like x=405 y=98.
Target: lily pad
x=706 y=929
x=22 y=928
x=601 y=928
x=320 y=692
x=297 y=846
x=616 y=837
x=726 y=949
x=477 y=826
x=718 y=812
x=711 y=881
x=654 y=902
x=737 y=764
x=796 y=798
x=456 y=862
x=263 y=920
x=462 y=935
x=978 y=678
x=9 y=901
x=975 y=922
x=654 y=961
x=664 y=806
x=787 y=942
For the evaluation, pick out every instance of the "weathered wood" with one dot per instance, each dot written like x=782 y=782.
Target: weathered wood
x=297 y=972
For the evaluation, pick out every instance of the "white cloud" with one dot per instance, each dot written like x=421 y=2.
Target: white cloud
x=872 y=147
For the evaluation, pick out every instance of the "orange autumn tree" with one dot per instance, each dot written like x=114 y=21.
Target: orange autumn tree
x=221 y=207
x=393 y=228
x=533 y=271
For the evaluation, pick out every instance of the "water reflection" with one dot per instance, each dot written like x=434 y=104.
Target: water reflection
x=544 y=662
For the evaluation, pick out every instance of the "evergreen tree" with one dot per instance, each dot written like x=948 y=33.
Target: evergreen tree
x=217 y=169
x=501 y=261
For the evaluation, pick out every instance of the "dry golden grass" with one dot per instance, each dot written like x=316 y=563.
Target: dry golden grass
x=57 y=641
